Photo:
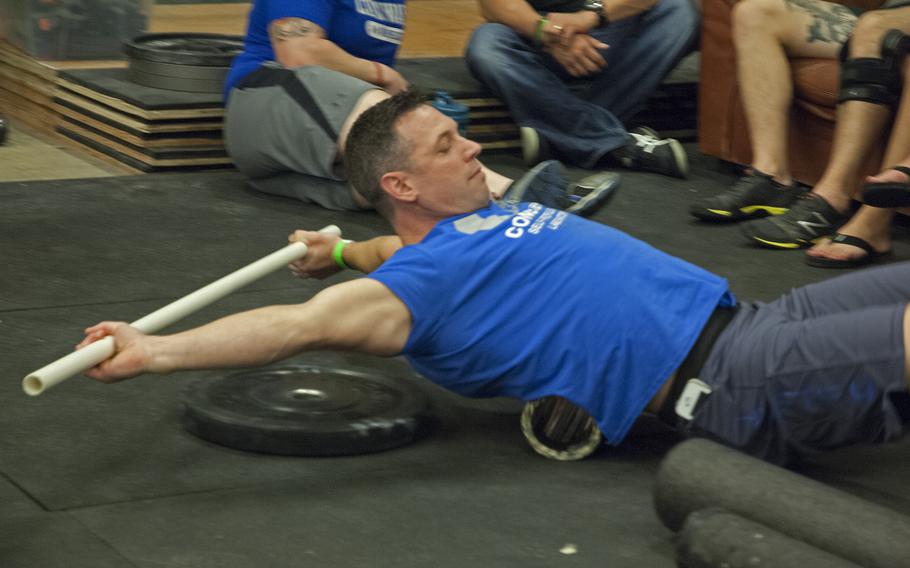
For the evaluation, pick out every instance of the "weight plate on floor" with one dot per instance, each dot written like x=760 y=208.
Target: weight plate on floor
x=185 y=49
x=305 y=411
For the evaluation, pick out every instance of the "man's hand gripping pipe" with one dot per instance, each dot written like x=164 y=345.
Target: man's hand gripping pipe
x=86 y=358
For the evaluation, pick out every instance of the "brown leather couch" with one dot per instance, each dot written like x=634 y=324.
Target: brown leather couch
x=722 y=128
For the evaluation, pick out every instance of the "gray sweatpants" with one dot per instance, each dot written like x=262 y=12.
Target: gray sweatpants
x=281 y=129
x=819 y=368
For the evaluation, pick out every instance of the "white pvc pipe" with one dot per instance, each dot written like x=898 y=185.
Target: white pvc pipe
x=89 y=356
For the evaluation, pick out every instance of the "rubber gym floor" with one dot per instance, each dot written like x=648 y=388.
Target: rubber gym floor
x=103 y=476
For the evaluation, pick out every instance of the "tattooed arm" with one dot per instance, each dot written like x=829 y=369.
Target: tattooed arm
x=298 y=42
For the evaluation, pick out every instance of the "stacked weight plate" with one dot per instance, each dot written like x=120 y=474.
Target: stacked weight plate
x=194 y=63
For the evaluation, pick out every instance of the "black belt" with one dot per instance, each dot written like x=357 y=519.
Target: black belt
x=695 y=361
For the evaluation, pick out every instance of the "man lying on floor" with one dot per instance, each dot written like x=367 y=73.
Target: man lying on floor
x=526 y=301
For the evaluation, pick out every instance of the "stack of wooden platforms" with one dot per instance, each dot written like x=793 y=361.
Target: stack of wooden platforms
x=145 y=128
x=27 y=85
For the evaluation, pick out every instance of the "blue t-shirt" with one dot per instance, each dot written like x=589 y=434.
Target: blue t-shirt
x=368 y=29
x=532 y=301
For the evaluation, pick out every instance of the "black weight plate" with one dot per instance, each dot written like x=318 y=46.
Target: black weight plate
x=176 y=83
x=185 y=49
x=198 y=72
x=305 y=411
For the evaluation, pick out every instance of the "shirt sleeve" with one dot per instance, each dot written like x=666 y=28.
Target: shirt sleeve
x=317 y=11
x=415 y=279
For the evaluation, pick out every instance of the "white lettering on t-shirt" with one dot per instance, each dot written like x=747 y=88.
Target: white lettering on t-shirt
x=522 y=219
x=384 y=32
x=385 y=11
x=539 y=223
x=557 y=221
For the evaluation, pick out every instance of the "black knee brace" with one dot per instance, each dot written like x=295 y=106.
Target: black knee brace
x=871 y=79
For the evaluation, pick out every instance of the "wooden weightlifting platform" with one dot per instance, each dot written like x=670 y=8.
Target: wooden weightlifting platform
x=145 y=128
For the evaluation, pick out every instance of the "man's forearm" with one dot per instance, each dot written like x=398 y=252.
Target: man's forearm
x=367 y=256
x=521 y=16
x=327 y=54
x=248 y=339
x=517 y=14
x=298 y=42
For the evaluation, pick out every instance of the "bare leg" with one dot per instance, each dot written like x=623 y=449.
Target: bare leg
x=765 y=33
x=859 y=123
x=872 y=224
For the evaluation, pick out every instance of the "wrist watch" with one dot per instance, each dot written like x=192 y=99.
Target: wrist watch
x=597 y=6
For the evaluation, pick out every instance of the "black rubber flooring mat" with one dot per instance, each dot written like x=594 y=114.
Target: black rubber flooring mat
x=471 y=493
x=132 y=238
x=34 y=537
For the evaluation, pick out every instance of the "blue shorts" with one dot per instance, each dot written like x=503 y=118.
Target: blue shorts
x=819 y=368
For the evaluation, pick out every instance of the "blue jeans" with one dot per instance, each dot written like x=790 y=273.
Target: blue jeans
x=582 y=128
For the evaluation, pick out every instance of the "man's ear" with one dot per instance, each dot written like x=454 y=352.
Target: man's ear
x=397 y=186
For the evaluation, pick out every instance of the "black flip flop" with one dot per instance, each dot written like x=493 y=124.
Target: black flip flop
x=890 y=193
x=871 y=254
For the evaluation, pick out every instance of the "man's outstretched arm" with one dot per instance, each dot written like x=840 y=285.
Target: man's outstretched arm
x=361 y=315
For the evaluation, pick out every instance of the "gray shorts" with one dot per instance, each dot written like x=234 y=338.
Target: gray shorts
x=281 y=129
x=819 y=368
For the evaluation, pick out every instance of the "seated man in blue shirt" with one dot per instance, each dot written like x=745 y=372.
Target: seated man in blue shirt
x=526 y=301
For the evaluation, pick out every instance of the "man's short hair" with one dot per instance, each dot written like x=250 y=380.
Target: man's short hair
x=374 y=147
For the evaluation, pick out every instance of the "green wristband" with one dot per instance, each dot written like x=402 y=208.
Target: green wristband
x=538 y=33
x=337 y=254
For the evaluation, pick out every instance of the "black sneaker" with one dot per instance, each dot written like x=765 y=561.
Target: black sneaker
x=810 y=219
x=652 y=154
x=752 y=196
x=546 y=184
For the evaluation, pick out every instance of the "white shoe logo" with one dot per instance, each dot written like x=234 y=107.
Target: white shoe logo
x=810 y=227
x=648 y=143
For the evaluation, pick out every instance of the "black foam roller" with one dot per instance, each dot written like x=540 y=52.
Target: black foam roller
x=699 y=474
x=714 y=538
